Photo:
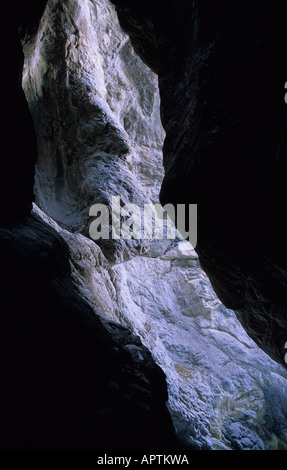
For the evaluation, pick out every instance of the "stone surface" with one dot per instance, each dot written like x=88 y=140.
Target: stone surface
x=221 y=80
x=70 y=380
x=96 y=113
x=219 y=381
x=95 y=108
x=217 y=376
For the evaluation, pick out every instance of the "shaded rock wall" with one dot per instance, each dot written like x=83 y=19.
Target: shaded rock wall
x=70 y=381
x=17 y=166
x=221 y=78
x=96 y=112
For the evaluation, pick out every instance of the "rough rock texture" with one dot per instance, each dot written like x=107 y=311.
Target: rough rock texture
x=96 y=112
x=221 y=79
x=219 y=380
x=224 y=392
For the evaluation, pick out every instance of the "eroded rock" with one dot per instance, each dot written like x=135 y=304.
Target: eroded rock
x=95 y=108
x=70 y=380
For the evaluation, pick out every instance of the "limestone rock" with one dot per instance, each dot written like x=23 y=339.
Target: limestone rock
x=218 y=379
x=217 y=376
x=95 y=108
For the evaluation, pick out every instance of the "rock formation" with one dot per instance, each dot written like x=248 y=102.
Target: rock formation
x=223 y=109
x=109 y=341
x=70 y=380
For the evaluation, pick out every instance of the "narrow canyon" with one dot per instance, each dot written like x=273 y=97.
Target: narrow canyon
x=148 y=343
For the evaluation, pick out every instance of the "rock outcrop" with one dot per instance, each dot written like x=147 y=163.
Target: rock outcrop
x=95 y=110
x=221 y=386
x=96 y=113
x=221 y=80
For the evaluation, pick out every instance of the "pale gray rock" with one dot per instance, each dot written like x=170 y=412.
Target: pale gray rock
x=222 y=387
x=95 y=108
x=226 y=143
x=219 y=380
x=96 y=112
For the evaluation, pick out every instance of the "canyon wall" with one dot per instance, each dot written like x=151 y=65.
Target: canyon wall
x=96 y=110
x=70 y=379
x=221 y=78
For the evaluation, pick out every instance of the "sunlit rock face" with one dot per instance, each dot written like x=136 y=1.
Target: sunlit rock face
x=95 y=108
x=96 y=111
